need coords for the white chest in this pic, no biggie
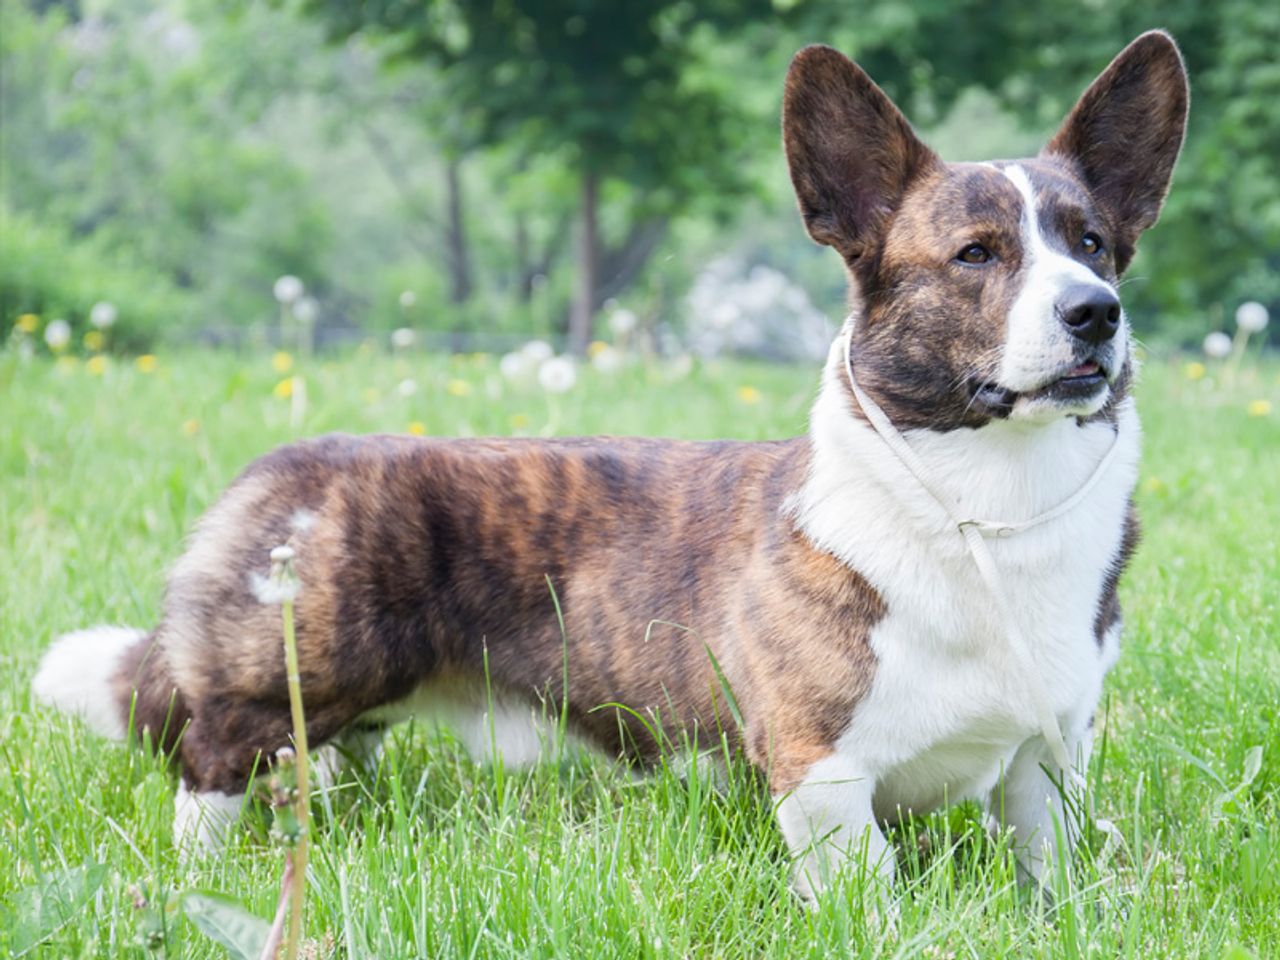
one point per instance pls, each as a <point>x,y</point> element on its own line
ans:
<point>948,706</point>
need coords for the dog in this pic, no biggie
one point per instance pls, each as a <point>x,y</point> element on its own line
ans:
<point>912,604</point>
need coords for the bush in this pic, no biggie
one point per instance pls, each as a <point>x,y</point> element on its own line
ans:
<point>45,271</point>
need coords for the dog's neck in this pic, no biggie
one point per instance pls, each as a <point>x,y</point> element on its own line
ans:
<point>1004,470</point>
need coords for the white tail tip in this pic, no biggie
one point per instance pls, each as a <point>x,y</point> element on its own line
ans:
<point>75,676</point>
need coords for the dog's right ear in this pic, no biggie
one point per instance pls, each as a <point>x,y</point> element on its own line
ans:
<point>851,152</point>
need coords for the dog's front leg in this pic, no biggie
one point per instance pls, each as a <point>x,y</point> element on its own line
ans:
<point>828,823</point>
<point>1043,804</point>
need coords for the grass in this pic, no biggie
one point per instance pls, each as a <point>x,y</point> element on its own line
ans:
<point>432,855</point>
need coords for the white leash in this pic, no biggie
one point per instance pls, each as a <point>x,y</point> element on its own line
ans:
<point>973,532</point>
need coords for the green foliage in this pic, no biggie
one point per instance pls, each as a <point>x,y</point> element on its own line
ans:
<point>215,146</point>
<point>35,913</point>
<point>225,920</point>
<point>46,272</point>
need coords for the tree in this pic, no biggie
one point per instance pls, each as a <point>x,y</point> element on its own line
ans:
<point>610,86</point>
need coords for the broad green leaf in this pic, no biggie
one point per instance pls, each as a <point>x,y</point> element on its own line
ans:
<point>226,921</point>
<point>38,911</point>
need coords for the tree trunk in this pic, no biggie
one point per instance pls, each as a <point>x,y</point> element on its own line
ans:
<point>619,267</point>
<point>459,259</point>
<point>580,316</point>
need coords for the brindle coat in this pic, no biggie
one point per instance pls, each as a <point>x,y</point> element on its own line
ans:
<point>421,557</point>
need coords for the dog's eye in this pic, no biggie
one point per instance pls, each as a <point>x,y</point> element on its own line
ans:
<point>974,253</point>
<point>1091,244</point>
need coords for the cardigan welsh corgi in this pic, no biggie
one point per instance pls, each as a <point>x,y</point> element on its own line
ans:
<point>817,590</point>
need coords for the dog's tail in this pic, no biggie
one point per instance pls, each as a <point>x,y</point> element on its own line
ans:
<point>109,676</point>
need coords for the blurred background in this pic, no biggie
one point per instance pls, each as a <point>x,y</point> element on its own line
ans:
<point>192,171</point>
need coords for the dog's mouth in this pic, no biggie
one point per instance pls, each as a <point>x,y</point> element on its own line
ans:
<point>1081,382</point>
<point>1073,385</point>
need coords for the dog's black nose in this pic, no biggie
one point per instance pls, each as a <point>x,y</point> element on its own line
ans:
<point>1089,312</point>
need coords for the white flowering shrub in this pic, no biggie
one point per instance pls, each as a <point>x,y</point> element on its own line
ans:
<point>756,311</point>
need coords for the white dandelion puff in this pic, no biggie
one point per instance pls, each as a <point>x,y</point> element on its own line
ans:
<point>608,360</point>
<point>402,338</point>
<point>103,315</point>
<point>1252,317</point>
<point>513,366</point>
<point>306,310</point>
<point>407,387</point>
<point>537,351</point>
<point>1217,345</point>
<point>408,299</point>
<point>557,375</point>
<point>281,585</point>
<point>57,334</point>
<point>623,322</point>
<point>287,289</point>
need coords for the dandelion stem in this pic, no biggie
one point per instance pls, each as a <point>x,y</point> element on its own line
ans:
<point>296,878</point>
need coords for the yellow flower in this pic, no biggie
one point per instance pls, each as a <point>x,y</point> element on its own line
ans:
<point>93,340</point>
<point>370,396</point>
<point>748,394</point>
<point>518,421</point>
<point>417,428</point>
<point>283,389</point>
<point>458,388</point>
<point>191,427</point>
<point>1154,486</point>
<point>1259,408</point>
<point>96,365</point>
<point>27,323</point>
<point>1194,370</point>
<point>281,361</point>
<point>596,347</point>
<point>147,363</point>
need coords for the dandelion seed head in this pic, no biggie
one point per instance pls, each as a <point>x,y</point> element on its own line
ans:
<point>408,299</point>
<point>557,375</point>
<point>57,334</point>
<point>306,309</point>
<point>407,387</point>
<point>1252,317</point>
<point>103,315</point>
<point>402,338</point>
<point>537,351</point>
<point>623,322</point>
<point>607,360</point>
<point>272,592</point>
<point>1217,345</point>
<point>513,366</point>
<point>287,289</point>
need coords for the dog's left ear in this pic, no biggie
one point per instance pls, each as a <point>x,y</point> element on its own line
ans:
<point>1125,133</point>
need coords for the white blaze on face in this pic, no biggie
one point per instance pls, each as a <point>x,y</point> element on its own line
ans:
<point>1037,345</point>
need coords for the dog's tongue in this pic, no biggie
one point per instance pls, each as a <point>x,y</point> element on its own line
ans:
<point>1083,370</point>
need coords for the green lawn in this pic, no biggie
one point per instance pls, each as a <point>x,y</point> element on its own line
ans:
<point>435,856</point>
